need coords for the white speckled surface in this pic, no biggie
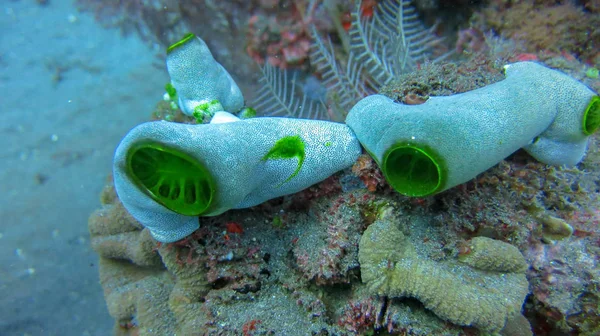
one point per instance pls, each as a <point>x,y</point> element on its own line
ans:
<point>475,130</point>
<point>233,152</point>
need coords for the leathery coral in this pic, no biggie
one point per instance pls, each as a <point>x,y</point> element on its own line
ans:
<point>485,299</point>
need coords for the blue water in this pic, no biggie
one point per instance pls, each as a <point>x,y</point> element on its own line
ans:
<point>71,90</point>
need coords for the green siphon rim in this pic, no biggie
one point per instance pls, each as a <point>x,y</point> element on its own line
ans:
<point>591,116</point>
<point>414,170</point>
<point>187,37</point>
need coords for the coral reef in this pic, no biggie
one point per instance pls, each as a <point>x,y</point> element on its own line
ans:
<point>281,37</point>
<point>385,44</point>
<point>445,79</point>
<point>484,295</point>
<point>116,234</point>
<point>328,252</point>
<point>493,255</point>
<point>565,278</point>
<point>366,169</point>
<point>290,266</point>
<point>169,111</point>
<point>546,26</point>
<point>130,267</point>
<point>185,287</point>
<point>511,202</point>
<point>299,257</point>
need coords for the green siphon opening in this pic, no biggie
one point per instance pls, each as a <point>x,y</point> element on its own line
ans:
<point>413,170</point>
<point>591,116</point>
<point>171,178</point>
<point>187,37</point>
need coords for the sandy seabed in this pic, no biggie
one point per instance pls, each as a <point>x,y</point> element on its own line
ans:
<point>71,90</point>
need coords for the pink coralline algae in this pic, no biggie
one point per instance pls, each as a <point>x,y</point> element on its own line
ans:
<point>359,316</point>
<point>565,280</point>
<point>282,40</point>
<point>327,253</point>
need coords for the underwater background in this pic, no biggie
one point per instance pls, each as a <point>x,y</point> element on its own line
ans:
<point>78,75</point>
<point>76,88</point>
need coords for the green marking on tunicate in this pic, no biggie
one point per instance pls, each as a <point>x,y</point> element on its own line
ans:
<point>592,73</point>
<point>186,38</point>
<point>205,111</point>
<point>171,91</point>
<point>201,107</point>
<point>277,222</point>
<point>200,112</point>
<point>247,112</point>
<point>591,116</point>
<point>171,178</point>
<point>413,169</point>
<point>288,147</point>
<point>328,144</point>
